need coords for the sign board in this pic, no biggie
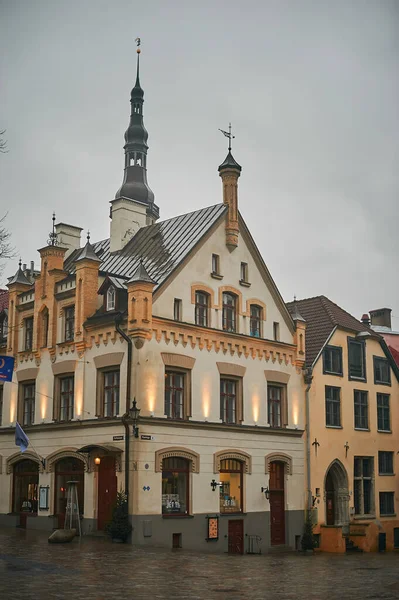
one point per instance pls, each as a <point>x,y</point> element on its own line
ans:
<point>145,436</point>
<point>118,438</point>
<point>213,528</point>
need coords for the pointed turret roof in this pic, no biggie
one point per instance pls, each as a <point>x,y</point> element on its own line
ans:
<point>141,275</point>
<point>295,314</point>
<point>19,277</point>
<point>229,163</point>
<point>88,252</point>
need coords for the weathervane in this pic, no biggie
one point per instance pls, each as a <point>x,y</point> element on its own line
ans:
<point>138,42</point>
<point>228,135</point>
<point>52,241</point>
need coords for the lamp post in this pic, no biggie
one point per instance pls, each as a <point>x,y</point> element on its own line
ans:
<point>131,416</point>
<point>134,415</point>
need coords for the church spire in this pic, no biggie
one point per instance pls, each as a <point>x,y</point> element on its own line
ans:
<point>135,186</point>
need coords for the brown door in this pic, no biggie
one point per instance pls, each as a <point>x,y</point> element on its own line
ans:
<point>330,508</point>
<point>236,536</point>
<point>107,488</point>
<point>277,504</point>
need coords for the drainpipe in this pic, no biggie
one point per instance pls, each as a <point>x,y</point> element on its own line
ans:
<point>308,374</point>
<point>128,387</point>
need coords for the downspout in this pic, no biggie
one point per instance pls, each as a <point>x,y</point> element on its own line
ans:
<point>308,380</point>
<point>128,387</point>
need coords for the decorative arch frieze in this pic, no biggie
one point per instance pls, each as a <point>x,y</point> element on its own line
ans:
<point>233,290</point>
<point>201,287</point>
<point>18,456</point>
<point>232,454</point>
<point>54,457</point>
<point>257,302</point>
<point>279,457</point>
<point>179,452</point>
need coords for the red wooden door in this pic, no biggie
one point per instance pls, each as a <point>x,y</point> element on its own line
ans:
<point>236,536</point>
<point>277,504</point>
<point>107,488</point>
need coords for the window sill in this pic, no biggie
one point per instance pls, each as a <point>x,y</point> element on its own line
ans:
<point>217,276</point>
<point>178,516</point>
<point>363,517</point>
<point>388,515</point>
<point>386,474</point>
<point>233,514</point>
<point>244,283</point>
<point>352,378</point>
<point>386,383</point>
<point>361,429</point>
<point>334,427</point>
<point>333,373</point>
<point>384,431</point>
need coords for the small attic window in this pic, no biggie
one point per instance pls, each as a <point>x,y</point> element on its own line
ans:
<point>110,302</point>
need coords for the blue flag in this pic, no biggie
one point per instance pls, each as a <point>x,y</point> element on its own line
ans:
<point>6,368</point>
<point>21,439</point>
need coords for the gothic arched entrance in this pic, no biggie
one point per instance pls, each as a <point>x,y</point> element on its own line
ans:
<point>336,494</point>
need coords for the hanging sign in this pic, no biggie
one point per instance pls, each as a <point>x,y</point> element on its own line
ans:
<point>213,529</point>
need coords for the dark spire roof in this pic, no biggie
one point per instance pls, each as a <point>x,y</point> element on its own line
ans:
<point>135,185</point>
<point>88,252</point>
<point>19,277</point>
<point>295,314</point>
<point>229,163</point>
<point>140,275</point>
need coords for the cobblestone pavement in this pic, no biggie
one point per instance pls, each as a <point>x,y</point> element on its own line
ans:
<point>95,569</point>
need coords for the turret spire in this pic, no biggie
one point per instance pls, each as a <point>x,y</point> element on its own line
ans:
<point>135,186</point>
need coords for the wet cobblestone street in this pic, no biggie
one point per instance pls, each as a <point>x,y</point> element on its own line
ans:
<point>96,569</point>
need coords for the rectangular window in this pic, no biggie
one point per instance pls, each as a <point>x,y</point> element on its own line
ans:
<point>385,463</point>
<point>274,405</point>
<point>1,404</point>
<point>215,264</point>
<point>28,333</point>
<point>201,309</point>
<point>111,393</point>
<point>356,359</point>
<point>244,272</point>
<point>332,360</point>
<point>28,391</point>
<point>177,309</point>
<point>382,371</point>
<point>396,537</point>
<point>66,398</point>
<point>3,329</point>
<point>383,412</point>
<point>255,320</point>
<point>363,485</point>
<point>276,331</point>
<point>361,410</point>
<point>387,503</point>
<point>333,406</point>
<point>229,315</point>
<point>69,316</point>
<point>231,489</point>
<point>174,394</point>
<point>228,400</point>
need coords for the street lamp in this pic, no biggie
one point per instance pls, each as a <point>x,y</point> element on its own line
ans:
<point>134,415</point>
<point>266,491</point>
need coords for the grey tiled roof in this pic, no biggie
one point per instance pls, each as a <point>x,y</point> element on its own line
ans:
<point>161,247</point>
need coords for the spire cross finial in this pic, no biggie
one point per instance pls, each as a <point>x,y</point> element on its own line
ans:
<point>88,236</point>
<point>52,241</point>
<point>228,135</point>
<point>20,262</point>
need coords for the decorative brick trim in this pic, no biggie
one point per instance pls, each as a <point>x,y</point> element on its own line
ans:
<point>279,457</point>
<point>171,359</point>
<point>201,287</point>
<point>179,452</point>
<point>233,290</point>
<point>257,302</point>
<point>54,457</point>
<point>18,456</point>
<point>232,454</point>
<point>226,368</point>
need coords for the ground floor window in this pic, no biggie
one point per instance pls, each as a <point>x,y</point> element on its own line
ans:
<point>26,481</point>
<point>175,486</point>
<point>68,469</point>
<point>231,478</point>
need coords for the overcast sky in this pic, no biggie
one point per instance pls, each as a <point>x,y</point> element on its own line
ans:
<point>311,88</point>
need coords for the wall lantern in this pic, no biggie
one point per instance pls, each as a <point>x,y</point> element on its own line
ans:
<point>215,484</point>
<point>134,415</point>
<point>265,490</point>
<point>97,460</point>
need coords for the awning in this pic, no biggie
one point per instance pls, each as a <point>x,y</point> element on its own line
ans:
<point>109,448</point>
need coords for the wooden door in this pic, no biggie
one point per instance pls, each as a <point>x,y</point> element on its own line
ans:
<point>236,536</point>
<point>277,503</point>
<point>330,508</point>
<point>107,488</point>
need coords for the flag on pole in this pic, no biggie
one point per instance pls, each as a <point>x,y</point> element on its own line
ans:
<point>21,439</point>
<point>6,368</point>
<point>226,133</point>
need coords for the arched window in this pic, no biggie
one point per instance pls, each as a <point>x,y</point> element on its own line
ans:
<point>111,298</point>
<point>201,308</point>
<point>175,486</point>
<point>229,317</point>
<point>68,469</point>
<point>231,488</point>
<point>44,328</point>
<point>255,320</point>
<point>26,481</point>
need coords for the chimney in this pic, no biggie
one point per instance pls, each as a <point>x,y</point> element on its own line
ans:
<point>381,317</point>
<point>365,319</point>
<point>68,236</point>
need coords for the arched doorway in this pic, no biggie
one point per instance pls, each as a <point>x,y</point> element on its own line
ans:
<point>25,489</point>
<point>277,502</point>
<point>68,469</point>
<point>336,494</point>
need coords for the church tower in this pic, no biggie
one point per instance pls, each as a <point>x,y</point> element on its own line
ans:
<point>134,205</point>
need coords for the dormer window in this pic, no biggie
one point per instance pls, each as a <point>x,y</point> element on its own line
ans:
<point>111,297</point>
